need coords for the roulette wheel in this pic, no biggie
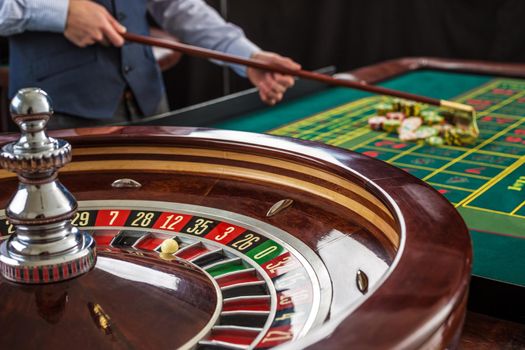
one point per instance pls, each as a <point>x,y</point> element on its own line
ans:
<point>211,239</point>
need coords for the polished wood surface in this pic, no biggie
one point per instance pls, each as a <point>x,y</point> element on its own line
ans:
<point>420,303</point>
<point>483,332</point>
<point>385,70</point>
<point>105,309</point>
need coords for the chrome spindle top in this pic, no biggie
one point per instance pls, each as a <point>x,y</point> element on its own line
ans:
<point>45,247</point>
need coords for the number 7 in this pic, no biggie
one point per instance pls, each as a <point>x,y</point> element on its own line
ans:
<point>114,215</point>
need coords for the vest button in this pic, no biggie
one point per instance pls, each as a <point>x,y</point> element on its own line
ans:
<point>127,69</point>
<point>121,16</point>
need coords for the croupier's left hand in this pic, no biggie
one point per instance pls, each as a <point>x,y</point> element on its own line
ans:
<point>272,86</point>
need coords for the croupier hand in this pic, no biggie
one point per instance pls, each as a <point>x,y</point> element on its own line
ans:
<point>272,86</point>
<point>89,23</point>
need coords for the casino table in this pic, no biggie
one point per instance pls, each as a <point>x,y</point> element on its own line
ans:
<point>278,240</point>
<point>213,240</point>
<point>485,181</point>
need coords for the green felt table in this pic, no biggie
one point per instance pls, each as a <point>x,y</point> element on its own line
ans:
<point>485,181</point>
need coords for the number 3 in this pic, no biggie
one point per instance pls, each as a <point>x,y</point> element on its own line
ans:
<point>225,234</point>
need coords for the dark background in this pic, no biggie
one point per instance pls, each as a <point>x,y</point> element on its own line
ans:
<point>354,33</point>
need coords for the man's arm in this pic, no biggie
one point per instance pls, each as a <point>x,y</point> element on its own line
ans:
<point>17,16</point>
<point>83,22</point>
<point>194,22</point>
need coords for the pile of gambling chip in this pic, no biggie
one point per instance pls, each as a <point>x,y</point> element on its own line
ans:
<point>407,119</point>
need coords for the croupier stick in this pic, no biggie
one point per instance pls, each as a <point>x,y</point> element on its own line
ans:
<point>465,112</point>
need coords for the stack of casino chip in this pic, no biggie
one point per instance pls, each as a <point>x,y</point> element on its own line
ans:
<point>411,108</point>
<point>376,123</point>
<point>383,108</point>
<point>388,118</point>
<point>395,116</point>
<point>424,132</point>
<point>435,141</point>
<point>458,136</point>
<point>407,131</point>
<point>397,105</point>
<point>408,108</point>
<point>393,122</point>
<point>432,118</point>
<point>391,125</point>
<point>452,137</point>
<point>411,123</point>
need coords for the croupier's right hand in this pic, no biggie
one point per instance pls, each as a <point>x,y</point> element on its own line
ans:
<point>89,23</point>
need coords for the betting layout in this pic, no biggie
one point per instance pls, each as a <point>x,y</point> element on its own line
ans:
<point>485,181</point>
<point>270,283</point>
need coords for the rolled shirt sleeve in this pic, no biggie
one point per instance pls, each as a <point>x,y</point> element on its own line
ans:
<point>196,23</point>
<point>17,16</point>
